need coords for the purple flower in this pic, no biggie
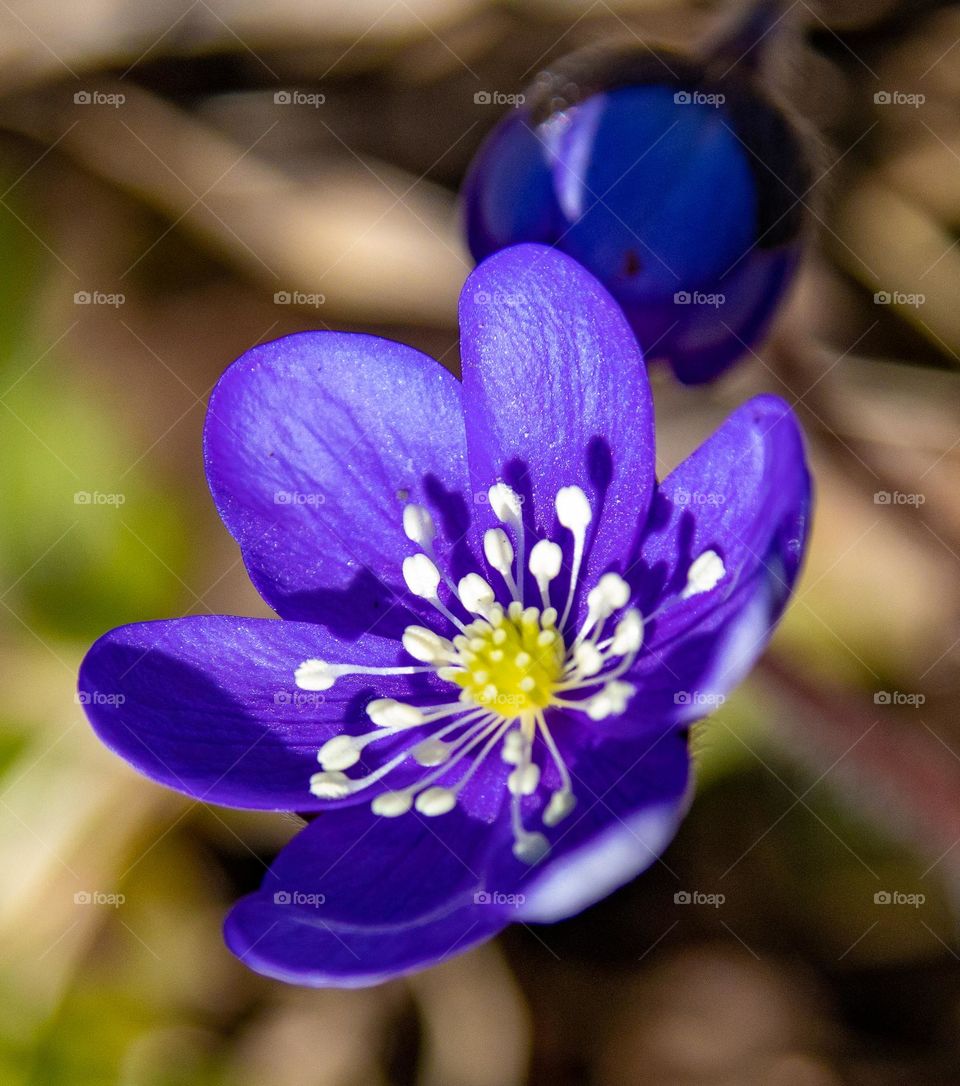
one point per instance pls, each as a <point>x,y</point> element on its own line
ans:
<point>496,625</point>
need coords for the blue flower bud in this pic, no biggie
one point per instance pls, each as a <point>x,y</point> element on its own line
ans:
<point>676,181</point>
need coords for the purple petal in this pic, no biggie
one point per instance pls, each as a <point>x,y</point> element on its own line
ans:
<point>631,796</point>
<point>746,494</point>
<point>314,443</point>
<point>355,899</point>
<point>556,393</point>
<point>208,705</point>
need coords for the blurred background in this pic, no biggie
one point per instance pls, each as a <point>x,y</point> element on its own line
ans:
<point>182,179</point>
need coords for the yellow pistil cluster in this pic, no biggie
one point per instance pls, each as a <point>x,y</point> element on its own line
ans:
<point>511,661</point>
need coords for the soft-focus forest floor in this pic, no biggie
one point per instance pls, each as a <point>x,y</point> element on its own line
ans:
<point>188,208</point>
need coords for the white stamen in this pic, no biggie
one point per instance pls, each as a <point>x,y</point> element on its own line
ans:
<point>545,561</point>
<point>523,781</point>
<point>472,720</point>
<point>512,750</point>
<point>610,594</point>
<point>499,551</point>
<point>530,847</point>
<point>588,659</point>
<point>330,785</point>
<point>392,804</point>
<point>431,752</point>
<point>390,713</point>
<point>561,804</point>
<point>418,525</point>
<point>628,636</point>
<point>319,675</point>
<point>566,787</point>
<point>423,580</point>
<point>705,573</point>
<point>505,503</point>
<point>508,509</point>
<point>423,644</point>
<point>340,752</point>
<point>422,576</point>
<point>475,594</point>
<point>573,508</point>
<point>610,701</point>
<point>316,675</point>
<point>436,801</point>
<point>574,513</point>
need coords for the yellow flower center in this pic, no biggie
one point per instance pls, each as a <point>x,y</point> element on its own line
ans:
<point>511,663</point>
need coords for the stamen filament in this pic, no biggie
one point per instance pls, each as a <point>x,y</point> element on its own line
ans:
<point>319,675</point>
<point>574,513</point>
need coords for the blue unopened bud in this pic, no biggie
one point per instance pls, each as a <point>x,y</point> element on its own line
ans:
<point>676,180</point>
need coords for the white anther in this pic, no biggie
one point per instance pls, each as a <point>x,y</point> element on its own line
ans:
<point>390,713</point>
<point>499,550</point>
<point>505,503</point>
<point>561,804</point>
<point>545,561</point>
<point>610,594</point>
<point>628,636</point>
<point>418,525</point>
<point>436,801</point>
<point>588,659</point>
<point>705,573</point>
<point>425,645</point>
<point>392,804</point>
<point>431,752</point>
<point>513,744</point>
<point>573,508</point>
<point>330,785</point>
<point>574,513</point>
<point>610,701</point>
<point>524,779</point>
<point>316,675</point>
<point>475,594</point>
<point>531,847</point>
<point>340,752</point>
<point>422,576</point>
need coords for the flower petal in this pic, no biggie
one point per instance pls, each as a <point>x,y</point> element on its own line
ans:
<point>556,393</point>
<point>314,443</point>
<point>745,494</point>
<point>631,796</point>
<point>207,705</point>
<point>355,899</point>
